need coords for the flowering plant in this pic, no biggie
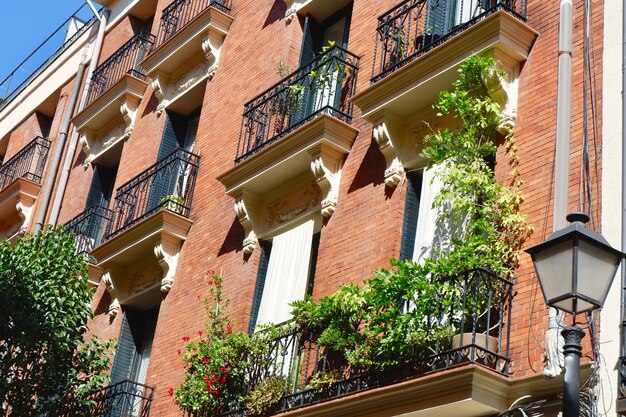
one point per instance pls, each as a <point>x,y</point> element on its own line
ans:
<point>214,377</point>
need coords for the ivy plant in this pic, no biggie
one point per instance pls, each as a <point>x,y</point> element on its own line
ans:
<point>47,365</point>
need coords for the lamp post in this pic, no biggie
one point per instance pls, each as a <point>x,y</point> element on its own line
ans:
<point>575,267</point>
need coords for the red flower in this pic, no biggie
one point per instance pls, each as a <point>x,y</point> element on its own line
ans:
<point>199,332</point>
<point>229,328</point>
<point>186,339</point>
<point>170,391</point>
<point>223,380</point>
<point>178,351</point>
<point>216,391</point>
<point>211,272</point>
<point>206,360</point>
<point>207,379</point>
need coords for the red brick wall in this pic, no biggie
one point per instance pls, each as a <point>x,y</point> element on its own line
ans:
<point>364,232</point>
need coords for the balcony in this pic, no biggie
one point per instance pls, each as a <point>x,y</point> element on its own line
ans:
<point>462,376</point>
<point>148,225</point>
<point>20,183</point>
<point>88,228</point>
<point>126,398</point>
<point>187,50</point>
<point>117,87</point>
<point>419,48</point>
<point>298,127</point>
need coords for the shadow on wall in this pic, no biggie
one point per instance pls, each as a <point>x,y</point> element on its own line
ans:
<point>233,239</point>
<point>277,12</point>
<point>371,171</point>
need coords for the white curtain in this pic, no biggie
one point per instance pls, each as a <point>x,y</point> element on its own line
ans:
<point>427,217</point>
<point>434,235</point>
<point>287,273</point>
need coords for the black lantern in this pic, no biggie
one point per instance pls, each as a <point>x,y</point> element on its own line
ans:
<point>575,267</point>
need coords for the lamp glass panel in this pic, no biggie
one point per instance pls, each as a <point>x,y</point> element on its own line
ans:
<point>596,269</point>
<point>554,269</point>
<point>566,305</point>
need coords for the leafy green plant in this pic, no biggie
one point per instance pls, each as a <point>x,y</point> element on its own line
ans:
<point>265,396</point>
<point>173,203</point>
<point>48,364</point>
<point>214,377</point>
<point>414,309</point>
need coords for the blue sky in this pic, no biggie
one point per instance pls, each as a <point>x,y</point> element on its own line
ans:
<point>27,23</point>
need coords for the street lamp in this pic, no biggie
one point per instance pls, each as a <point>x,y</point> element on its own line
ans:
<point>575,267</point>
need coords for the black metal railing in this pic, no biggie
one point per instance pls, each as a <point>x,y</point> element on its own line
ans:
<point>88,228</point>
<point>168,184</point>
<point>28,163</point>
<point>123,61</point>
<point>126,398</point>
<point>414,27</point>
<point>178,14</point>
<point>479,318</point>
<point>57,42</point>
<point>323,86</point>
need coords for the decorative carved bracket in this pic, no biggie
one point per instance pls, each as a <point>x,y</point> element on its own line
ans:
<point>388,136</point>
<point>166,252</point>
<point>246,208</point>
<point>25,207</point>
<point>505,94</point>
<point>114,307</point>
<point>326,164</point>
<point>212,46</point>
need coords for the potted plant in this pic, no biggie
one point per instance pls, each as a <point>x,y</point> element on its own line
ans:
<point>173,203</point>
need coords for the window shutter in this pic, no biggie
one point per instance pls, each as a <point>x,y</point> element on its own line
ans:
<point>96,192</point>
<point>311,40</point>
<point>169,140</point>
<point>266,249</point>
<point>125,354</point>
<point>315,245</point>
<point>437,19</point>
<point>411,212</point>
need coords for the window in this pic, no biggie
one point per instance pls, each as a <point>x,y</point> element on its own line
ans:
<point>420,231</point>
<point>171,181</point>
<point>133,354</point>
<point>286,273</point>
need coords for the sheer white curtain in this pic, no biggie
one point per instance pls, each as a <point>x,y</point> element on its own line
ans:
<point>287,273</point>
<point>434,235</point>
<point>427,217</point>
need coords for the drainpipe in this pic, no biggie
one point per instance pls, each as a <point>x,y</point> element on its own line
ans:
<point>60,144</point>
<point>623,263</point>
<point>71,149</point>
<point>561,168</point>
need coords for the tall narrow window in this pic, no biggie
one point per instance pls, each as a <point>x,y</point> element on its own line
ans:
<point>133,354</point>
<point>285,273</point>
<point>421,232</point>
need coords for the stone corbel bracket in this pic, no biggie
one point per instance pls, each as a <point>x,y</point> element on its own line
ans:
<point>166,252</point>
<point>292,8</point>
<point>389,137</point>
<point>114,307</point>
<point>247,210</point>
<point>326,164</point>
<point>110,118</point>
<point>504,93</point>
<point>17,201</point>
<point>188,57</point>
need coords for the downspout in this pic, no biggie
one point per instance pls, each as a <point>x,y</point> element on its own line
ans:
<point>71,150</point>
<point>60,144</point>
<point>561,168</point>
<point>623,230</point>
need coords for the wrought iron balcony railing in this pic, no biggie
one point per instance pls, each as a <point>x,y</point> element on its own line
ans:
<point>126,398</point>
<point>481,317</point>
<point>88,228</point>
<point>167,184</point>
<point>323,86</point>
<point>178,14</point>
<point>123,61</point>
<point>414,27</point>
<point>28,163</point>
